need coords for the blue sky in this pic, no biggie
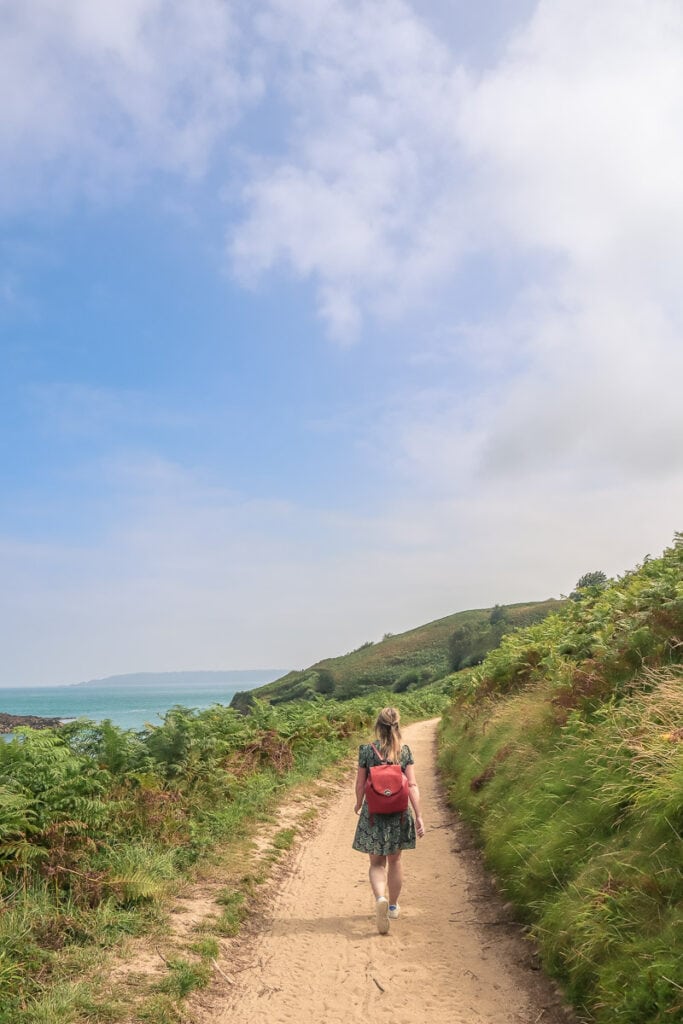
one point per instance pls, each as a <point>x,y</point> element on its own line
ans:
<point>322,320</point>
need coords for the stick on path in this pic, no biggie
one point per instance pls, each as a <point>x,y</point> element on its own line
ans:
<point>451,958</point>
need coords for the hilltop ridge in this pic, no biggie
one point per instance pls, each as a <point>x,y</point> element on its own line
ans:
<point>403,661</point>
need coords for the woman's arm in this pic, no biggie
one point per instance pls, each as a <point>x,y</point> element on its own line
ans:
<point>414,795</point>
<point>360,788</point>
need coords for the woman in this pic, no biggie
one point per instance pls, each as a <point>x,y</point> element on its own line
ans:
<point>384,836</point>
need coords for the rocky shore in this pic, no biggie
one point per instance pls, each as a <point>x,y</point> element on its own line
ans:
<point>8,723</point>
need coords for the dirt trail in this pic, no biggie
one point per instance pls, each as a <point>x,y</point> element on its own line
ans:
<point>451,958</point>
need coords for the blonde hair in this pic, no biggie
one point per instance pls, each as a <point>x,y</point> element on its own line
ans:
<point>388,732</point>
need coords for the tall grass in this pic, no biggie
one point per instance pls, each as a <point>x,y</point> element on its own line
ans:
<point>566,754</point>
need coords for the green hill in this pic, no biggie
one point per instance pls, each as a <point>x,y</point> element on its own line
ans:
<point>406,660</point>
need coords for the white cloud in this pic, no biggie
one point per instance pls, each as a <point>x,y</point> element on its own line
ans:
<point>599,397</point>
<point>565,157</point>
<point>363,204</point>
<point>95,94</point>
<point>576,135</point>
<point>576,131</point>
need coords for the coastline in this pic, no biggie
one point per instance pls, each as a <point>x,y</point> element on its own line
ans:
<point>125,707</point>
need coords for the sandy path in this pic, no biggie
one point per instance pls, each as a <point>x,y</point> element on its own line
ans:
<point>451,958</point>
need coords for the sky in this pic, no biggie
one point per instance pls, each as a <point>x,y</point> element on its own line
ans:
<point>325,319</point>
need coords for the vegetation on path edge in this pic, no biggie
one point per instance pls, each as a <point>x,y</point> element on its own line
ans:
<point>99,825</point>
<point>565,751</point>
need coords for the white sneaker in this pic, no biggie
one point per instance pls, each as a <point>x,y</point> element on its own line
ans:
<point>382,915</point>
<point>393,912</point>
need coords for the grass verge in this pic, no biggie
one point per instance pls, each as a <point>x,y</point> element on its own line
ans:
<point>581,820</point>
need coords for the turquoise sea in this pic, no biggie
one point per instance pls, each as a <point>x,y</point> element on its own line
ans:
<point>130,704</point>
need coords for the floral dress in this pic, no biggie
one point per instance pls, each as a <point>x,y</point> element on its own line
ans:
<point>386,833</point>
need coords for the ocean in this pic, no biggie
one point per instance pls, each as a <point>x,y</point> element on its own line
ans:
<point>130,707</point>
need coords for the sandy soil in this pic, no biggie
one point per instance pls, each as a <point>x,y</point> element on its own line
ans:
<point>453,957</point>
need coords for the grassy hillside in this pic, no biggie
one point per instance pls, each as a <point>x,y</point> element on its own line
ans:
<point>565,750</point>
<point>403,661</point>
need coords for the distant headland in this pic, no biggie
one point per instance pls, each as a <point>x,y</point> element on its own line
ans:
<point>244,677</point>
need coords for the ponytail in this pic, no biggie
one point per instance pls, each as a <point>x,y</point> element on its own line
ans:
<point>388,732</point>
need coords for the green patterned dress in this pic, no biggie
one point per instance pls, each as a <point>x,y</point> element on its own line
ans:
<point>387,833</point>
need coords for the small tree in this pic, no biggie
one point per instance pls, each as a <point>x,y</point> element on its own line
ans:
<point>499,613</point>
<point>595,578</point>
<point>325,681</point>
<point>460,645</point>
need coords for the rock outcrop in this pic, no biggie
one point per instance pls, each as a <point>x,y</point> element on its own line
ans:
<point>8,723</point>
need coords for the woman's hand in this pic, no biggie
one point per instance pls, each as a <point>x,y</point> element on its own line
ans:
<point>420,826</point>
<point>358,807</point>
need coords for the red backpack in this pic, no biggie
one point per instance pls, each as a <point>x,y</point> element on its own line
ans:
<point>386,788</point>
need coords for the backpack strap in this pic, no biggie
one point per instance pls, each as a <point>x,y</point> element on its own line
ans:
<point>381,759</point>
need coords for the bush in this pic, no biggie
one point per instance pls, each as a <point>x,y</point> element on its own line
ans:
<point>406,680</point>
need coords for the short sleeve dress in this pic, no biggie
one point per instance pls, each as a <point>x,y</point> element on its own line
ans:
<point>387,833</point>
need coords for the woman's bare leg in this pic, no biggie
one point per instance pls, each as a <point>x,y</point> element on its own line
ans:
<point>378,874</point>
<point>395,877</point>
